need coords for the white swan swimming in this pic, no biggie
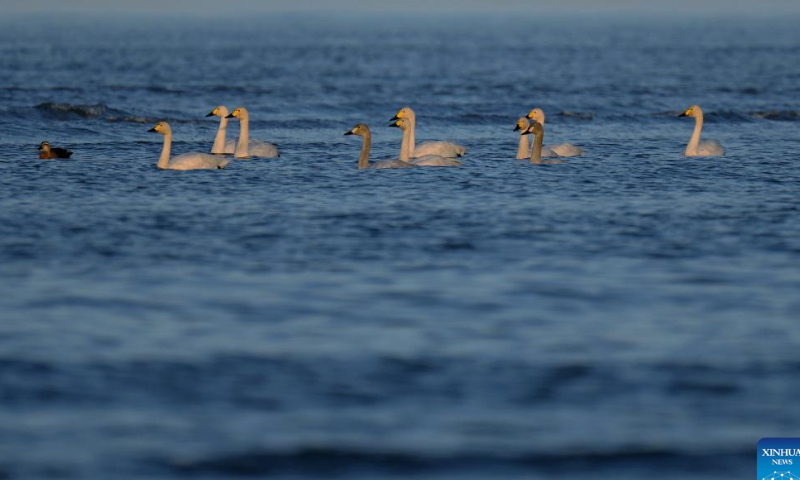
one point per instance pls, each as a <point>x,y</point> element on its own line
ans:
<point>428,160</point>
<point>562,149</point>
<point>245,148</point>
<point>186,161</point>
<point>696,148</point>
<point>362,131</point>
<point>442,149</point>
<point>524,149</point>
<point>537,130</point>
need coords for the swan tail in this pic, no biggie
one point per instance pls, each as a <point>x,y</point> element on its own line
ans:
<point>263,149</point>
<point>567,150</point>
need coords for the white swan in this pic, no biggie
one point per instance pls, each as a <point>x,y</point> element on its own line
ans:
<point>246,147</point>
<point>442,149</point>
<point>363,160</point>
<point>524,149</point>
<point>696,148</point>
<point>562,149</point>
<point>186,161</point>
<point>537,130</point>
<point>428,160</point>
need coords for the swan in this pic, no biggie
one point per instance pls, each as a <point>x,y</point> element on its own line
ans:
<point>186,161</point>
<point>442,149</point>
<point>537,130</point>
<point>524,150</point>
<point>696,148</point>
<point>363,160</point>
<point>51,153</point>
<point>562,149</point>
<point>246,147</point>
<point>427,161</point>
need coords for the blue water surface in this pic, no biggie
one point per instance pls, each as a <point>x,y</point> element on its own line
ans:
<point>628,313</point>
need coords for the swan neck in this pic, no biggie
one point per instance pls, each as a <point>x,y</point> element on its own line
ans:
<point>219,140</point>
<point>536,153</point>
<point>242,150</point>
<point>404,148</point>
<point>524,150</point>
<point>694,143</point>
<point>412,141</point>
<point>163,160</point>
<point>363,159</point>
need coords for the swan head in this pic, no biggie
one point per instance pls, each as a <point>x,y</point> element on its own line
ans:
<point>535,129</point>
<point>537,115</point>
<point>44,146</point>
<point>404,112</point>
<point>162,128</point>
<point>361,130</point>
<point>221,111</point>
<point>693,111</point>
<point>401,123</point>
<point>238,112</point>
<point>522,124</point>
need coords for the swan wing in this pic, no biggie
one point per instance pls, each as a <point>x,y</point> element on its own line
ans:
<point>435,161</point>
<point>567,150</point>
<point>710,148</point>
<point>442,149</point>
<point>197,161</point>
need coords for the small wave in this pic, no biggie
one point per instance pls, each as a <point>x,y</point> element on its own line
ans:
<point>735,115</point>
<point>66,111</point>
<point>577,115</point>
<point>778,115</point>
<point>313,460</point>
<point>163,89</point>
<point>712,115</point>
<point>85,111</point>
<point>131,119</point>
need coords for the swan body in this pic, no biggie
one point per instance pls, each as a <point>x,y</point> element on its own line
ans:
<point>245,148</point>
<point>524,150</point>
<point>537,130</point>
<point>561,149</point>
<point>405,125</point>
<point>697,148</point>
<point>363,131</point>
<point>439,148</point>
<point>383,164</point>
<point>256,148</point>
<point>187,161</point>
<point>435,161</point>
<point>49,153</point>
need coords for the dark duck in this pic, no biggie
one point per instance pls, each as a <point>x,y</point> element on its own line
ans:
<point>49,153</point>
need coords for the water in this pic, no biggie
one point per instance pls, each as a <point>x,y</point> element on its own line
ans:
<point>629,313</point>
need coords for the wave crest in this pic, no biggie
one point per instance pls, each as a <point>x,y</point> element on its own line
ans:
<point>66,109</point>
